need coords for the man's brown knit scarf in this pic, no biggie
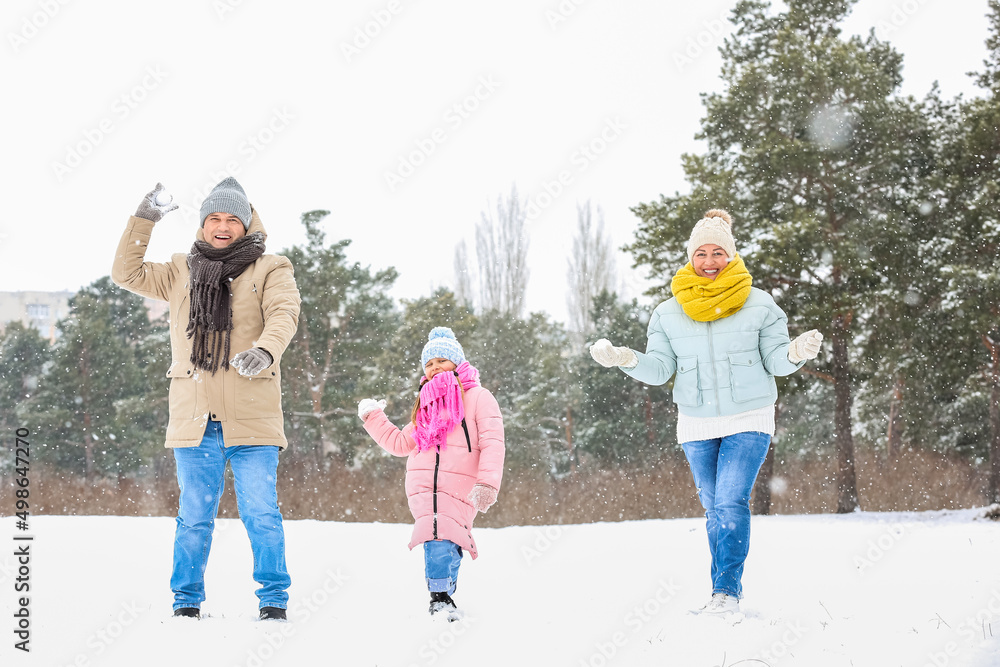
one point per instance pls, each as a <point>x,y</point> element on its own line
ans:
<point>210,321</point>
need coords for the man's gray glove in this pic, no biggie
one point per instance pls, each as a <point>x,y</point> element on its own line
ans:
<point>156,204</point>
<point>805,346</point>
<point>252,361</point>
<point>608,355</point>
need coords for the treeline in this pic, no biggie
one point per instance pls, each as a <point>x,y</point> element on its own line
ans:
<point>872,216</point>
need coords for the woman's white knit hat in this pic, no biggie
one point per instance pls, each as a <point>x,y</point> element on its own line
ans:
<point>715,228</point>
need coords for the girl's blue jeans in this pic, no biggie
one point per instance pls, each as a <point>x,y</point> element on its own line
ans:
<point>441,561</point>
<point>201,477</point>
<point>724,471</point>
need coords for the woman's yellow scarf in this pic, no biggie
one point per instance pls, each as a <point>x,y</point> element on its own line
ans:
<point>704,299</point>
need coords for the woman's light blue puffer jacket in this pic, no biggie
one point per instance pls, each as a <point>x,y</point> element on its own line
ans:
<point>723,367</point>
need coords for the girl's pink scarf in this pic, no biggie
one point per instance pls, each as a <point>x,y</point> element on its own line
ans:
<point>441,405</point>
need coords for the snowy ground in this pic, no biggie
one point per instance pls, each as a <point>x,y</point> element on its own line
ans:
<point>909,589</point>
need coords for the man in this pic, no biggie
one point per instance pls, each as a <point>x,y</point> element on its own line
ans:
<point>226,296</point>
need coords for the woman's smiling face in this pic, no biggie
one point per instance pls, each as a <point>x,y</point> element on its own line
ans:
<point>709,261</point>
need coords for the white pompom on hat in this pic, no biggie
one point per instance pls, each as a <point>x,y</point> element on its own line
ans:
<point>442,344</point>
<point>715,228</point>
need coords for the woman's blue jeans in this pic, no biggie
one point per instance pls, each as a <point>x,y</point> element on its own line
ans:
<point>724,471</point>
<point>201,476</point>
<point>441,561</point>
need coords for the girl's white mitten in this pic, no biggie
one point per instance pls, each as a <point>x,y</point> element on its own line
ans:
<point>482,497</point>
<point>805,346</point>
<point>368,406</point>
<point>608,355</point>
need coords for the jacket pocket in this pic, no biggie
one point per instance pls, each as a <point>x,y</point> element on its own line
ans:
<point>686,389</point>
<point>183,393</point>
<point>747,378</point>
<point>257,397</point>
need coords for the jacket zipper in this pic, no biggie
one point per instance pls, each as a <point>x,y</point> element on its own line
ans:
<point>437,464</point>
<point>715,374</point>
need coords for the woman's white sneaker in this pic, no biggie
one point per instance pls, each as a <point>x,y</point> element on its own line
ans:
<point>721,604</point>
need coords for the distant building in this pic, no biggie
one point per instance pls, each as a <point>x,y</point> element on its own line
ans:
<point>34,309</point>
<point>42,310</point>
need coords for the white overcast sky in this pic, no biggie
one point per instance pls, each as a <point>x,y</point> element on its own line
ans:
<point>105,98</point>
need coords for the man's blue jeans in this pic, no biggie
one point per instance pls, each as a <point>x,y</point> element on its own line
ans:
<point>724,471</point>
<point>441,561</point>
<point>201,476</point>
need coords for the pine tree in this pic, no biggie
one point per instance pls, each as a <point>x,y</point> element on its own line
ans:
<point>344,320</point>
<point>97,364</point>
<point>23,354</point>
<point>621,422</point>
<point>972,196</point>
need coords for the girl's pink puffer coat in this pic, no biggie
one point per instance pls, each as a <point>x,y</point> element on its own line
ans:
<point>438,481</point>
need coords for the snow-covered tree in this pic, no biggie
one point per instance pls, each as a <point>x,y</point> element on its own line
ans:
<point>973,245</point>
<point>344,321</point>
<point>618,421</point>
<point>23,353</point>
<point>101,368</point>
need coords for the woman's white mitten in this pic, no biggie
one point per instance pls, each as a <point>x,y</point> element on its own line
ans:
<point>805,346</point>
<point>608,355</point>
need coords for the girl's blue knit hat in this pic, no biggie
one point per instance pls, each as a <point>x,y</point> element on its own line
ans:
<point>442,344</point>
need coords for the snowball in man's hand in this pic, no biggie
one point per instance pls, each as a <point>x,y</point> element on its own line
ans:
<point>163,198</point>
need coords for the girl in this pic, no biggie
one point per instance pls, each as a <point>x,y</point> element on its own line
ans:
<point>725,340</point>
<point>455,448</point>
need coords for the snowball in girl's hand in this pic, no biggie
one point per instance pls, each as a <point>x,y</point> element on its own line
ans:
<point>163,198</point>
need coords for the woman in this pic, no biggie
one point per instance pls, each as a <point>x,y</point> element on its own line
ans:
<point>725,341</point>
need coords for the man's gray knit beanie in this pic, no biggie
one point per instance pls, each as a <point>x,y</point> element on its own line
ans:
<point>227,197</point>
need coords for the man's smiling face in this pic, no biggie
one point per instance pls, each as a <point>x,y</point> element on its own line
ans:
<point>221,229</point>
